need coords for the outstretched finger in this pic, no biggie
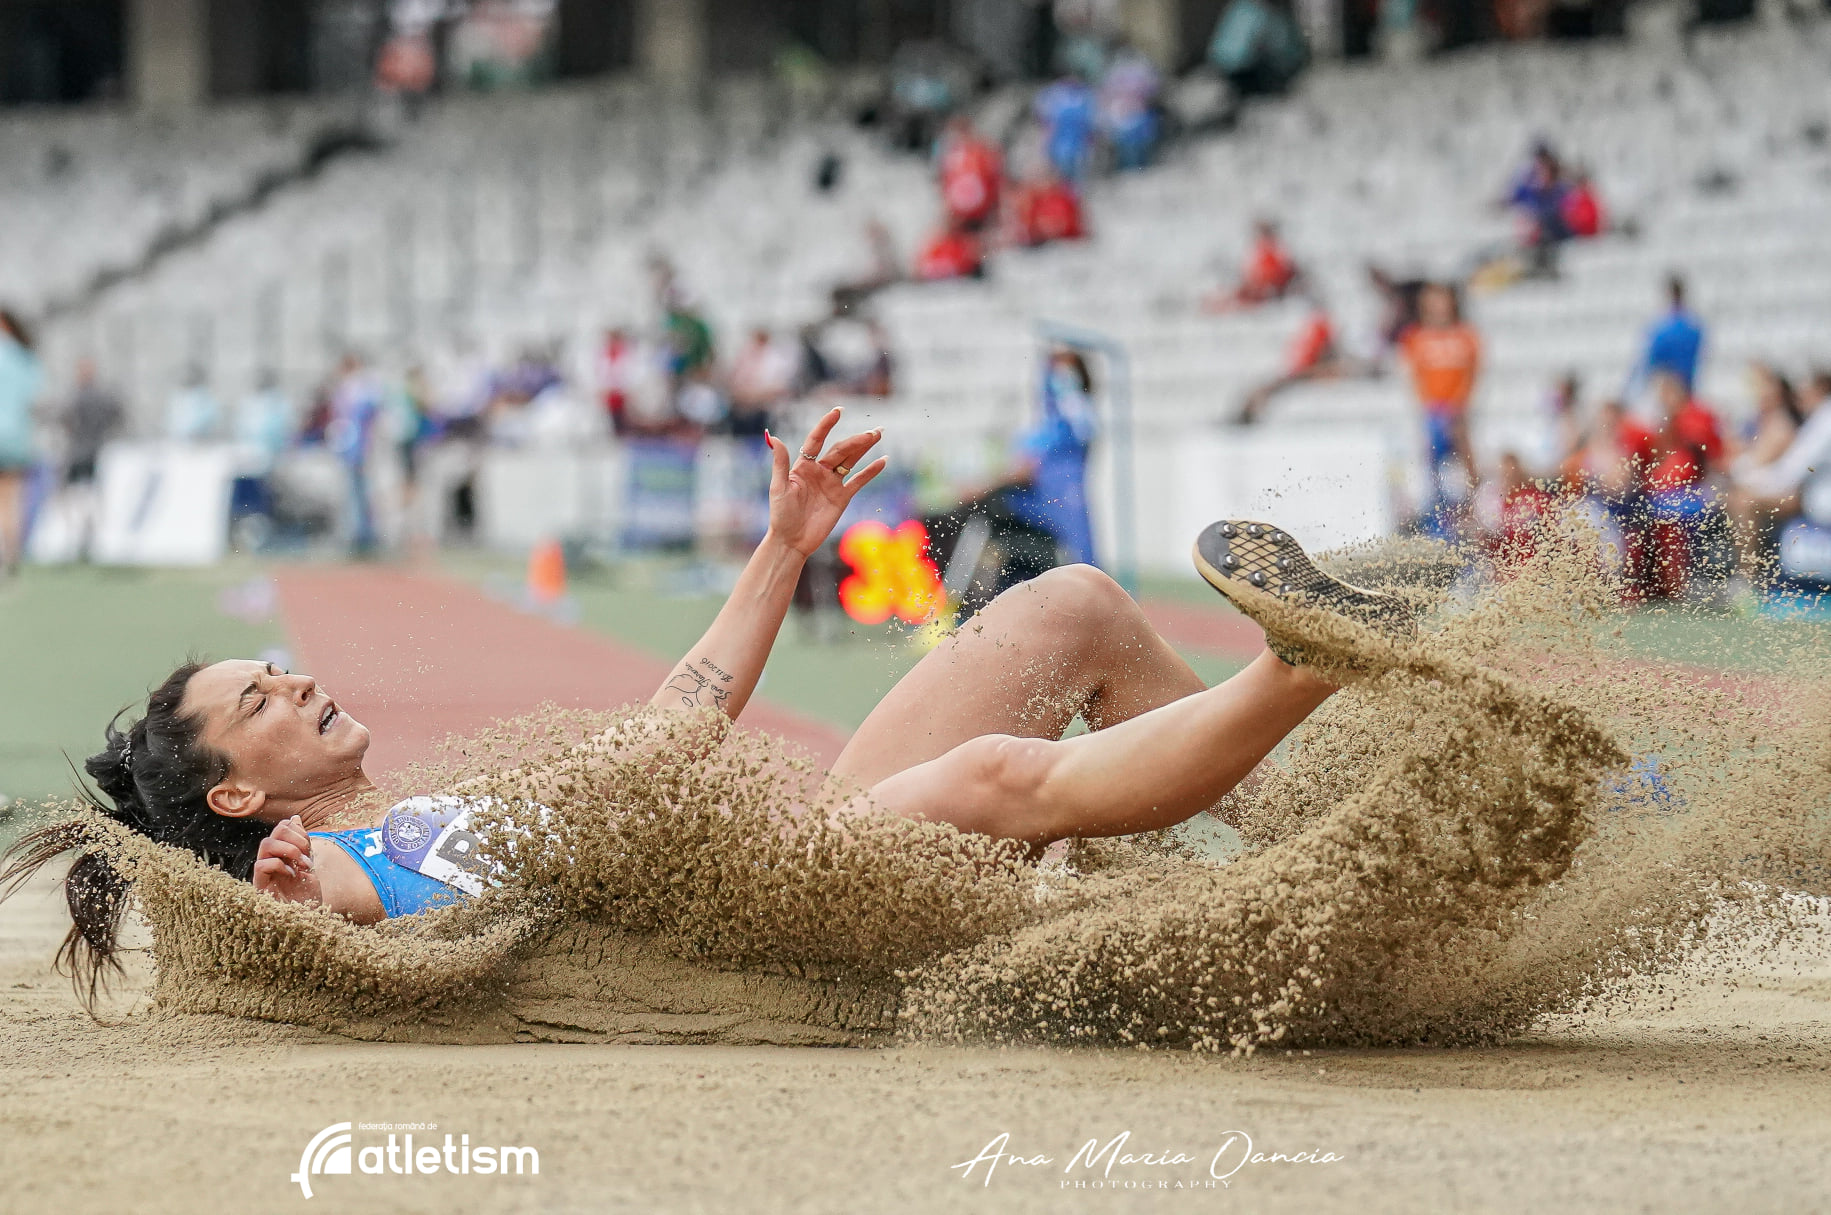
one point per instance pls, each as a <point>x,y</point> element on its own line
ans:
<point>863,476</point>
<point>778,464</point>
<point>816,438</point>
<point>850,450</point>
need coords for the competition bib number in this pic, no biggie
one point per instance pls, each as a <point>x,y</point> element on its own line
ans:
<point>433,836</point>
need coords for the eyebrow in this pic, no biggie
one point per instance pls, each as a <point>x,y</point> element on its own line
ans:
<point>254,684</point>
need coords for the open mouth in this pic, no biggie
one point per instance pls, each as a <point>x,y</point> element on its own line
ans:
<point>331,714</point>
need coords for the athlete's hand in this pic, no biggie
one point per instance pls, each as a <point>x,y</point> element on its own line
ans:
<point>283,867</point>
<point>807,493</point>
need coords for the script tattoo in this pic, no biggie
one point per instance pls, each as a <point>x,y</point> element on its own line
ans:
<point>698,688</point>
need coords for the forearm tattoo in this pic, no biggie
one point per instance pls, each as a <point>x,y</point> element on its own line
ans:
<point>701,684</point>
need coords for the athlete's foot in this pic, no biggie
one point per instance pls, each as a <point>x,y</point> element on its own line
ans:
<point>1234,555</point>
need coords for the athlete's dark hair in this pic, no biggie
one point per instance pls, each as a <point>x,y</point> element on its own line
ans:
<point>156,774</point>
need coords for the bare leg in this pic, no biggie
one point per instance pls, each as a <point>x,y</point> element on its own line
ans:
<point>1070,642</point>
<point>1150,772</point>
<point>12,520</point>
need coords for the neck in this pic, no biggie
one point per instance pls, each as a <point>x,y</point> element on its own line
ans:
<point>332,805</point>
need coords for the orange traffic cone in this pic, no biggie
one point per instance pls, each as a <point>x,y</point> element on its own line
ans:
<point>547,572</point>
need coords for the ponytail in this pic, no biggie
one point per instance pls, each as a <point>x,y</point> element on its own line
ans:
<point>157,773</point>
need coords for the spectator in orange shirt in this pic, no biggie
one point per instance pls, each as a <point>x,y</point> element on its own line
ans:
<point>1444,355</point>
<point>1270,273</point>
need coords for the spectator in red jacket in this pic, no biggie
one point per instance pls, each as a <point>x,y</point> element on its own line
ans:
<point>1269,275</point>
<point>971,172</point>
<point>1689,444</point>
<point>953,252</point>
<point>1314,354</point>
<point>1047,209</point>
<point>1582,208</point>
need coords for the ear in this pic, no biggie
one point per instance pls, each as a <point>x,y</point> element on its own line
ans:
<point>233,800</point>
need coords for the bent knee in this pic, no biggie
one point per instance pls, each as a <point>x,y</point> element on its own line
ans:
<point>1082,598</point>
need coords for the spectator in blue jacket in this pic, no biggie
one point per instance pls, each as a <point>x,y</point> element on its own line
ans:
<point>1674,344</point>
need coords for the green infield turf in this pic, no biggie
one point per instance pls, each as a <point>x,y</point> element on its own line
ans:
<point>77,643</point>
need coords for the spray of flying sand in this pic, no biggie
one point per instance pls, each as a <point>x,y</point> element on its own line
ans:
<point>1453,846</point>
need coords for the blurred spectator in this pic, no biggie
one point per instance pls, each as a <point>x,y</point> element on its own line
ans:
<point>616,372</point>
<point>1270,272</point>
<point>1538,196</point>
<point>700,404</point>
<point>1046,209</point>
<point>1258,46</point>
<point>971,171</point>
<point>953,252</point>
<point>1765,493</point>
<point>21,376</point>
<point>878,376</point>
<point>1583,213</point>
<point>927,80</point>
<point>885,269</point>
<point>90,421</point>
<point>1049,487</point>
<point>1674,343</point>
<point>1398,302</point>
<point>1566,408</point>
<point>1315,354</point>
<point>1687,448</point>
<point>263,429</point>
<point>1611,463</point>
<point>813,369</point>
<point>761,378</point>
<point>1128,106</point>
<point>264,422</point>
<point>1066,110</point>
<point>356,402</point>
<point>1444,355</point>
<point>193,415</point>
<point>92,418</point>
<point>690,347</point>
<point>1689,442</point>
<point>1777,420</point>
<point>1521,505</point>
<point>1083,31</point>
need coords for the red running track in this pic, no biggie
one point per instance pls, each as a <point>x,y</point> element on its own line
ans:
<point>419,658</point>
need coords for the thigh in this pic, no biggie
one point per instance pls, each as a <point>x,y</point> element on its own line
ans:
<point>1037,656</point>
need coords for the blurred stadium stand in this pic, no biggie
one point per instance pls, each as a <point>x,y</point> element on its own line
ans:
<point>519,217</point>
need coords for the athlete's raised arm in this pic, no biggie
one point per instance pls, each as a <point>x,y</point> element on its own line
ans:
<point>808,491</point>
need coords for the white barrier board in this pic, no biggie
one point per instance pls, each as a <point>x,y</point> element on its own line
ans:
<point>164,504</point>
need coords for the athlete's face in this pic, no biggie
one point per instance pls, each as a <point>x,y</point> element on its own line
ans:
<point>286,739</point>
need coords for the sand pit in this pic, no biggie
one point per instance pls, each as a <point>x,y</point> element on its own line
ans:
<point>1718,1099</point>
<point>1462,851</point>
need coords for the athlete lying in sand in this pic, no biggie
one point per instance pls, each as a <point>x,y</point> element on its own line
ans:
<point>260,771</point>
